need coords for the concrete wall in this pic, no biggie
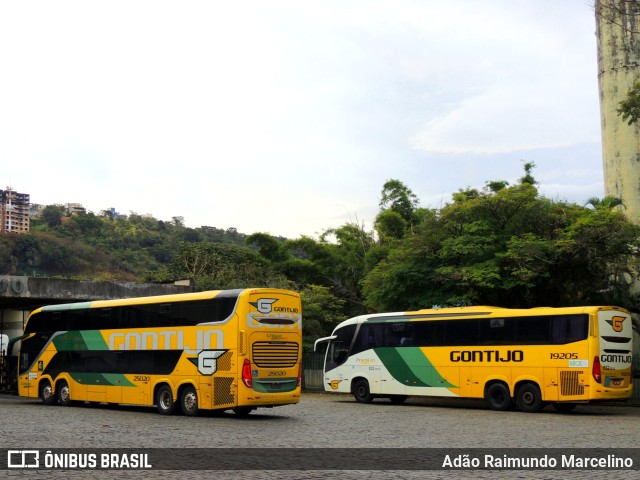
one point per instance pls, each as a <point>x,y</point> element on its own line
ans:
<point>21,295</point>
<point>618,36</point>
<point>14,288</point>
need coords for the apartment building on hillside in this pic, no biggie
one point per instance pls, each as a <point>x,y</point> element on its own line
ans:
<point>14,211</point>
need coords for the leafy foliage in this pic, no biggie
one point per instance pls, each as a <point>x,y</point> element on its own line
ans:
<point>502,245</point>
<point>629,108</point>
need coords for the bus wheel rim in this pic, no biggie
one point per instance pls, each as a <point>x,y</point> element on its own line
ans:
<point>190,401</point>
<point>64,393</point>
<point>165,400</point>
<point>47,392</point>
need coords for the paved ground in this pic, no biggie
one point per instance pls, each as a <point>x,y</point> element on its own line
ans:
<point>320,421</point>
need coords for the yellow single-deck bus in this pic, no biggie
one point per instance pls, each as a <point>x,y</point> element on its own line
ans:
<point>530,357</point>
<point>227,349</point>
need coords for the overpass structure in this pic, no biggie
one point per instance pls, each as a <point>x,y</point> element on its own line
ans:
<point>19,295</point>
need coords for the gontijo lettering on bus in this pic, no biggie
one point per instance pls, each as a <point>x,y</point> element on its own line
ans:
<point>166,340</point>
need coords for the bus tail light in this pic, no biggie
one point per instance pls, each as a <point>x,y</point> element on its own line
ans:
<point>299,374</point>
<point>246,373</point>
<point>595,371</point>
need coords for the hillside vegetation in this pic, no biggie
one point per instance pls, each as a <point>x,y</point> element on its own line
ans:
<point>504,245</point>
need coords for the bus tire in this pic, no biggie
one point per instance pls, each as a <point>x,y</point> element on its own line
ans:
<point>528,397</point>
<point>64,395</point>
<point>164,400</point>
<point>46,393</point>
<point>361,391</point>
<point>498,397</point>
<point>565,407</point>
<point>189,401</point>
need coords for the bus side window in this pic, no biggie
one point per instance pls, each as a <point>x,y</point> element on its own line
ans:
<point>569,328</point>
<point>339,352</point>
<point>24,361</point>
<point>339,348</point>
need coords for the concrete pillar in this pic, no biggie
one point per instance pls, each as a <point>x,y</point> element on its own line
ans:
<point>618,35</point>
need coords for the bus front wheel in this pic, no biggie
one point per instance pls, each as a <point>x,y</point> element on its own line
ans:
<point>498,397</point>
<point>164,400</point>
<point>189,401</point>
<point>46,393</point>
<point>528,397</point>
<point>361,391</point>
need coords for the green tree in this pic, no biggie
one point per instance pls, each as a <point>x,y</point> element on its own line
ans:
<point>608,202</point>
<point>390,225</point>
<point>396,196</point>
<point>509,246</point>
<point>268,246</point>
<point>52,215</point>
<point>219,266</point>
<point>322,311</point>
<point>629,108</point>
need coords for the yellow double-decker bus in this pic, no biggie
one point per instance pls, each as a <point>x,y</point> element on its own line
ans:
<point>227,349</point>
<point>527,358</point>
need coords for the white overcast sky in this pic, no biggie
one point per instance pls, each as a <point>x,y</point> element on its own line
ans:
<point>287,117</point>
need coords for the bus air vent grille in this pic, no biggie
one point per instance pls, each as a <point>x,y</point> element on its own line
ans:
<point>224,362</point>
<point>222,391</point>
<point>243,343</point>
<point>570,383</point>
<point>275,354</point>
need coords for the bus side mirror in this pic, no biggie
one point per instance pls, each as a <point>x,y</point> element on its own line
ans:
<point>323,340</point>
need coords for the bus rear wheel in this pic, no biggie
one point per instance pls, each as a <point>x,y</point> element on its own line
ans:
<point>64,395</point>
<point>46,393</point>
<point>164,400</point>
<point>361,391</point>
<point>189,401</point>
<point>528,397</point>
<point>498,397</point>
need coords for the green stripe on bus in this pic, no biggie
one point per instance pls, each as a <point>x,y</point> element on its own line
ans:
<point>94,340</point>
<point>266,385</point>
<point>80,340</point>
<point>409,366</point>
<point>103,379</point>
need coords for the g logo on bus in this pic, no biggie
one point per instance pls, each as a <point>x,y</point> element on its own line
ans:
<point>264,304</point>
<point>616,323</point>
<point>207,361</point>
<point>334,384</point>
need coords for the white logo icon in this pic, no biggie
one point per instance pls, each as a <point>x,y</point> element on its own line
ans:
<point>264,304</point>
<point>208,361</point>
<point>23,459</point>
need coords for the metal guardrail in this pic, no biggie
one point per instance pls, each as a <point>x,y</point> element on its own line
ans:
<point>312,364</point>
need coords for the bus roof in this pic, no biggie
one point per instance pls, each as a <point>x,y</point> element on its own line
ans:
<point>475,311</point>
<point>177,297</point>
